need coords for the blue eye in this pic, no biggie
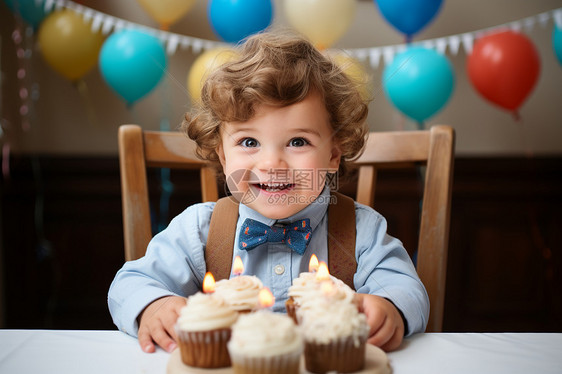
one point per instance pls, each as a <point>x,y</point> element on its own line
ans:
<point>249,142</point>
<point>298,142</point>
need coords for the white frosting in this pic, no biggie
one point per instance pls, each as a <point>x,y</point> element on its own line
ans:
<point>265,334</point>
<point>241,292</point>
<point>326,320</point>
<point>306,288</point>
<point>205,312</point>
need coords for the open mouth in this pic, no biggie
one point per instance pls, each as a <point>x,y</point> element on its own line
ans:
<point>274,187</point>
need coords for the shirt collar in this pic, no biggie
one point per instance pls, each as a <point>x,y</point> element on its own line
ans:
<point>314,211</point>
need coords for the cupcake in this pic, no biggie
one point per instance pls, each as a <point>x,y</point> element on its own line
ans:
<point>265,343</point>
<point>240,292</point>
<point>306,288</point>
<point>203,329</point>
<point>335,335</point>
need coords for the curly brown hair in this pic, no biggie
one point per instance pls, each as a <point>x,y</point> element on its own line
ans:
<point>277,69</point>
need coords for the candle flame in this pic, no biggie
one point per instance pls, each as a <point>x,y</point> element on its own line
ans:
<point>313,264</point>
<point>323,273</point>
<point>266,298</point>
<point>237,266</point>
<point>209,283</point>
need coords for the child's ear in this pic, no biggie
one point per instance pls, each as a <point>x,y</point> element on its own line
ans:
<point>335,158</point>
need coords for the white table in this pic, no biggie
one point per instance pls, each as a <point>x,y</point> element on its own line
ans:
<point>106,352</point>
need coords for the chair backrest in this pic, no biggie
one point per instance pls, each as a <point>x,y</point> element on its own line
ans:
<point>433,148</point>
<point>138,150</point>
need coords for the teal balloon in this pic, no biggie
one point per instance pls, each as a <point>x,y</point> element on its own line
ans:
<point>32,11</point>
<point>557,43</point>
<point>419,82</point>
<point>132,63</point>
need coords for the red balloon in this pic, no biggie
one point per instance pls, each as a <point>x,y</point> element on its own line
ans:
<point>504,68</point>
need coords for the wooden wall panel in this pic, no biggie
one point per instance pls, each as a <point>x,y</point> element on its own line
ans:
<point>505,257</point>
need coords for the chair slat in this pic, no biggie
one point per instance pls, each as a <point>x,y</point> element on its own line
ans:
<point>435,149</point>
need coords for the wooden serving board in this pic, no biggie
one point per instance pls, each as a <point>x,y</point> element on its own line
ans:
<point>376,362</point>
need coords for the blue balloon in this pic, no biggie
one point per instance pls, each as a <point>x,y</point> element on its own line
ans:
<point>132,63</point>
<point>419,82</point>
<point>557,43</point>
<point>234,20</point>
<point>408,16</point>
<point>32,11</point>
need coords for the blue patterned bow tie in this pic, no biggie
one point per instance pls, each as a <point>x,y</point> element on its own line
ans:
<point>295,234</point>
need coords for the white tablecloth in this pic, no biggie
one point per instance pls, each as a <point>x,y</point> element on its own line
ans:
<point>104,352</point>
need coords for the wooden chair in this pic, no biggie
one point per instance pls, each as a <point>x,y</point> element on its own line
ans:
<point>434,148</point>
<point>138,150</point>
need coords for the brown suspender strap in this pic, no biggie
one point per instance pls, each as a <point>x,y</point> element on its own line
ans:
<point>220,241</point>
<point>341,238</point>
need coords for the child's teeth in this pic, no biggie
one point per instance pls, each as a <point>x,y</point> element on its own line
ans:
<point>273,186</point>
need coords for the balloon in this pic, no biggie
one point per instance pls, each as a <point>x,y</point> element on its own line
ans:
<point>203,65</point>
<point>166,12</point>
<point>356,72</point>
<point>132,63</point>
<point>68,44</point>
<point>321,21</point>
<point>504,67</point>
<point>419,82</point>
<point>32,11</point>
<point>557,43</point>
<point>408,16</point>
<point>233,20</point>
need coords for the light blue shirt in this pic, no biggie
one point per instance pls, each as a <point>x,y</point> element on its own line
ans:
<point>174,263</point>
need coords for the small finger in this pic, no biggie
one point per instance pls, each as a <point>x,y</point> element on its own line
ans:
<point>382,335</point>
<point>161,337</point>
<point>171,331</point>
<point>394,342</point>
<point>376,323</point>
<point>171,321</point>
<point>145,341</point>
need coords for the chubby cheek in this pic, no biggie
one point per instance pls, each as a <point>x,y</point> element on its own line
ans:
<point>228,160</point>
<point>235,168</point>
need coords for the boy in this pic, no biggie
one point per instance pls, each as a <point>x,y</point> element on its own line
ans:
<point>279,121</point>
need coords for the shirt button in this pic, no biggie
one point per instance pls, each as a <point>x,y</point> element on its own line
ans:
<point>279,269</point>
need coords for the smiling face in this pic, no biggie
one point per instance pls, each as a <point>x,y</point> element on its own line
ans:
<point>277,161</point>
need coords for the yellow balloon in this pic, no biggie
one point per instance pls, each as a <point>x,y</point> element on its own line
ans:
<point>166,12</point>
<point>321,21</point>
<point>356,72</point>
<point>203,65</point>
<point>68,44</point>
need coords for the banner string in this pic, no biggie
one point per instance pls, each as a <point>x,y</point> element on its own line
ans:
<point>372,55</point>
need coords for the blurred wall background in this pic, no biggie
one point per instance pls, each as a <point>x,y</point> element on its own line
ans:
<point>63,123</point>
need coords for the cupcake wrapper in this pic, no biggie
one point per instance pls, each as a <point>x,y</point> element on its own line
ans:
<point>204,349</point>
<point>288,363</point>
<point>342,356</point>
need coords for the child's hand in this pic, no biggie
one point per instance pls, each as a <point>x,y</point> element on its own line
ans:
<point>156,323</point>
<point>387,327</point>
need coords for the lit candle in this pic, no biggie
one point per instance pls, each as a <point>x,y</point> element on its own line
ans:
<point>313,264</point>
<point>237,266</point>
<point>209,283</point>
<point>266,298</point>
<point>323,273</point>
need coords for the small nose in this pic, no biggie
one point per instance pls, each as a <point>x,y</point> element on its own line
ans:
<point>270,159</point>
